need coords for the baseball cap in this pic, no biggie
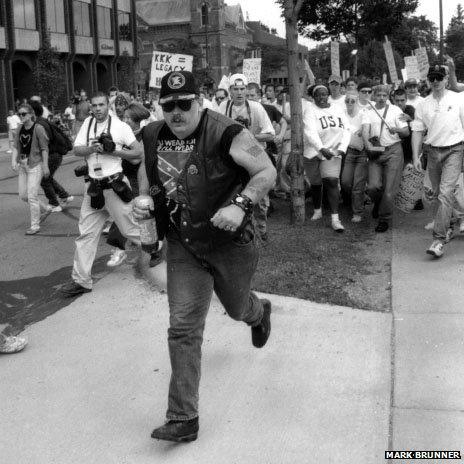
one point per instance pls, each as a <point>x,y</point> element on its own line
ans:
<point>238,77</point>
<point>335,78</point>
<point>410,82</point>
<point>178,85</point>
<point>364,85</point>
<point>437,70</point>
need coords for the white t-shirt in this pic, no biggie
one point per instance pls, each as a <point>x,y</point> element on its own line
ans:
<point>325,128</point>
<point>122,136</point>
<point>207,104</point>
<point>340,101</point>
<point>414,102</point>
<point>443,119</point>
<point>393,118</point>
<point>13,122</point>
<point>355,126</point>
<point>260,122</point>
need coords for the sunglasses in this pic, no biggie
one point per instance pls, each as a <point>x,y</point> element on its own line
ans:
<point>183,105</point>
<point>437,78</point>
<point>220,98</point>
<point>23,113</point>
<point>366,91</point>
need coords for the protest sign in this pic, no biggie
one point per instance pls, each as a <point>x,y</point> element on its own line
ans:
<point>422,62</point>
<point>411,188</point>
<point>412,67</point>
<point>390,60</point>
<point>252,70</point>
<point>224,84</point>
<point>404,74</point>
<point>335,57</point>
<point>163,63</point>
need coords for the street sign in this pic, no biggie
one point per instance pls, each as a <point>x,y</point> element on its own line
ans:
<point>252,70</point>
<point>163,63</point>
<point>390,60</point>
<point>335,57</point>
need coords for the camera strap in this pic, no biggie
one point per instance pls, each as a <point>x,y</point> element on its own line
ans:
<point>108,128</point>
<point>229,106</point>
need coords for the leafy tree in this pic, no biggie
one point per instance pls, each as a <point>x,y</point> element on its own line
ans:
<point>126,73</point>
<point>454,39</point>
<point>272,58</point>
<point>48,73</point>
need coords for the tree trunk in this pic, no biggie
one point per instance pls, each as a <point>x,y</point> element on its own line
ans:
<point>295,161</point>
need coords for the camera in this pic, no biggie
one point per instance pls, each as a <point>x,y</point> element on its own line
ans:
<point>81,171</point>
<point>243,121</point>
<point>107,142</point>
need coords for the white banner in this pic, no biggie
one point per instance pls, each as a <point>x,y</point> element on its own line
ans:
<point>422,61</point>
<point>390,60</point>
<point>335,57</point>
<point>163,63</point>
<point>412,67</point>
<point>252,70</point>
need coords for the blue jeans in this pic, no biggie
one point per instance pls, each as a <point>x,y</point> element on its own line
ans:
<point>354,178</point>
<point>444,166</point>
<point>385,178</point>
<point>191,281</point>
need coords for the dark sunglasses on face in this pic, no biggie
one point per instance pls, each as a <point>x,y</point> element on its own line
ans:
<point>436,77</point>
<point>366,91</point>
<point>220,98</point>
<point>183,105</point>
<point>22,114</point>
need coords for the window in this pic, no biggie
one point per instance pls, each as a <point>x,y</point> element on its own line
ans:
<point>124,24</point>
<point>55,15</point>
<point>81,12</point>
<point>105,30</point>
<point>24,14</point>
<point>204,15</point>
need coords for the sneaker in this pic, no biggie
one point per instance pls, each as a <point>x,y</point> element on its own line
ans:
<point>73,289</point>
<point>260,333</point>
<point>67,199</point>
<point>382,226</point>
<point>177,431</point>
<point>117,258</point>
<point>56,209</point>
<point>32,230</point>
<point>337,226</point>
<point>12,345</point>
<point>316,215</point>
<point>449,235</point>
<point>356,218</point>
<point>430,226</point>
<point>436,249</point>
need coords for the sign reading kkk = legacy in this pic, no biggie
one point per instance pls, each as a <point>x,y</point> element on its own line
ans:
<point>163,63</point>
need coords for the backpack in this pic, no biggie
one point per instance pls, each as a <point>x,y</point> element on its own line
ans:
<point>59,142</point>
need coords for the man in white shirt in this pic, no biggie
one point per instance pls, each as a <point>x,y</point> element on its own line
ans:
<point>385,122</point>
<point>441,116</point>
<point>336,97</point>
<point>13,122</point>
<point>253,116</point>
<point>412,94</point>
<point>108,192</point>
<point>364,95</point>
<point>220,96</point>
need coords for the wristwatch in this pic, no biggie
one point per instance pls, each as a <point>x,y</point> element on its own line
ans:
<point>242,201</point>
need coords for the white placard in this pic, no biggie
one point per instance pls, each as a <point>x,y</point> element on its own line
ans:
<point>412,67</point>
<point>422,62</point>
<point>335,57</point>
<point>224,84</point>
<point>163,62</point>
<point>390,60</point>
<point>404,74</point>
<point>252,70</point>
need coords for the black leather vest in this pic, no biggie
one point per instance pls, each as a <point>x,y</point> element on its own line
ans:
<point>209,180</point>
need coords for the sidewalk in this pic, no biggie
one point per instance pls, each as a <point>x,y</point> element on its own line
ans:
<point>93,383</point>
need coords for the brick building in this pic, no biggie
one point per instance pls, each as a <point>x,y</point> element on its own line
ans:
<point>90,35</point>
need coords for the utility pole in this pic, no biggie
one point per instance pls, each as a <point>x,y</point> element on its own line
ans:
<point>441,30</point>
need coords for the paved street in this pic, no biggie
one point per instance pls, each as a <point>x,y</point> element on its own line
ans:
<point>333,385</point>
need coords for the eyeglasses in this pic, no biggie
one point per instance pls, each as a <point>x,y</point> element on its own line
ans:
<point>220,98</point>
<point>23,113</point>
<point>183,105</point>
<point>365,91</point>
<point>436,77</point>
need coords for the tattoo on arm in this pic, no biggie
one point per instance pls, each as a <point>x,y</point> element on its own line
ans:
<point>253,148</point>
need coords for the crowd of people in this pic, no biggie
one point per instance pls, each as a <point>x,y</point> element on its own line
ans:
<point>207,168</point>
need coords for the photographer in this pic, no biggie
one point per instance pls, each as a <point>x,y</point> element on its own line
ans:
<point>100,142</point>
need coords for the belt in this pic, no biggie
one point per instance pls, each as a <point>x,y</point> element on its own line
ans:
<point>108,179</point>
<point>447,147</point>
<point>358,152</point>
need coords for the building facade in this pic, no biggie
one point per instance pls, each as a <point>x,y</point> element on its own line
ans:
<point>90,35</point>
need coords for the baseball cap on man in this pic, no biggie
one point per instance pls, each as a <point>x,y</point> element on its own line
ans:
<point>411,82</point>
<point>178,85</point>
<point>238,77</point>
<point>437,70</point>
<point>335,78</point>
